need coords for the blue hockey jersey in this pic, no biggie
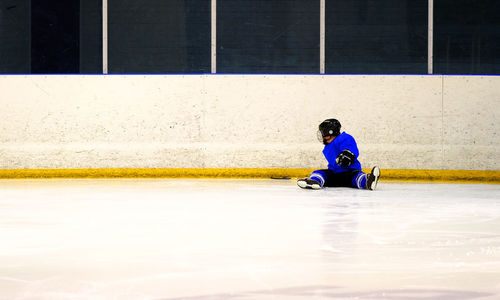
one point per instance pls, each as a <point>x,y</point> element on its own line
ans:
<point>342,142</point>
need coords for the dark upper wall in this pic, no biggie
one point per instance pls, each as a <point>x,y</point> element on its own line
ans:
<point>253,36</point>
<point>15,36</point>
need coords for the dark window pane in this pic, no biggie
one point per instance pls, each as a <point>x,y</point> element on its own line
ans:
<point>15,36</point>
<point>159,36</point>
<point>376,36</point>
<point>268,36</point>
<point>55,36</point>
<point>467,37</point>
<point>91,36</point>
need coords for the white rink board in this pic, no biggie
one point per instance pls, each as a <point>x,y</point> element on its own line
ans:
<point>246,121</point>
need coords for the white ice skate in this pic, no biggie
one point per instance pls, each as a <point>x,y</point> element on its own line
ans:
<point>307,183</point>
<point>372,178</point>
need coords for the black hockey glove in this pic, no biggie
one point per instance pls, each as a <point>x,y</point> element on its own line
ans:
<point>345,158</point>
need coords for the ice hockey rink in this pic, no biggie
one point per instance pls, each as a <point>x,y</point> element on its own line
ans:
<point>172,239</point>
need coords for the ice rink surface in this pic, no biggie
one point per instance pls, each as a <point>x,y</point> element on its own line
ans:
<point>247,239</point>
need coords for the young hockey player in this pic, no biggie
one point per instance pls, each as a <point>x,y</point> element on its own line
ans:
<point>344,169</point>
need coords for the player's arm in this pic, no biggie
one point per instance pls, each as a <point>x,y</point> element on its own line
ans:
<point>347,156</point>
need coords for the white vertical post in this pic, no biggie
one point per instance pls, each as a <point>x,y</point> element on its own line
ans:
<point>322,37</point>
<point>430,37</point>
<point>214,36</point>
<point>105,36</point>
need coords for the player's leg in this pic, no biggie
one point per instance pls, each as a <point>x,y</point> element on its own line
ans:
<point>327,178</point>
<point>351,178</point>
<point>315,181</point>
<point>368,181</point>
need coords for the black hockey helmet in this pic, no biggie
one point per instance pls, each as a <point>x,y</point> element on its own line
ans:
<point>329,127</point>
